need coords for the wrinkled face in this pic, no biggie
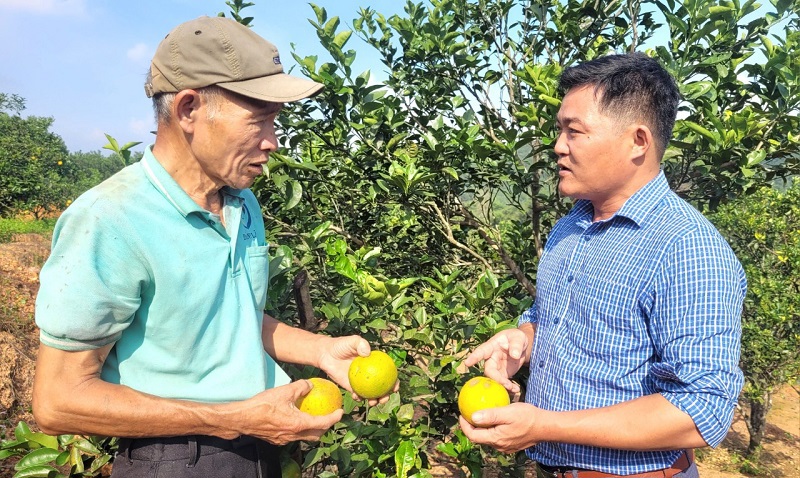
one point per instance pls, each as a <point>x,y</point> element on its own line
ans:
<point>233,140</point>
<point>593,163</point>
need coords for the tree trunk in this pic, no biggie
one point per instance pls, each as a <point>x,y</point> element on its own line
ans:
<point>756,424</point>
<point>305,310</point>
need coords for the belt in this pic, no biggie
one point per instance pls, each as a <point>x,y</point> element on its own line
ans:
<point>681,464</point>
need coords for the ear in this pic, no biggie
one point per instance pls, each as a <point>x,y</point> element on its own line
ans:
<point>186,109</point>
<point>642,143</point>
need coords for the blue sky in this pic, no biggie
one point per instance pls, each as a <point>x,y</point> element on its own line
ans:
<point>83,62</point>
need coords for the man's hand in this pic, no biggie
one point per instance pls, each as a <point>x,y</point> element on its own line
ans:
<point>507,429</point>
<point>503,355</point>
<point>273,416</point>
<point>336,357</point>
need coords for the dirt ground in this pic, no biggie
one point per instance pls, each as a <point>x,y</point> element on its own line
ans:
<point>21,260</point>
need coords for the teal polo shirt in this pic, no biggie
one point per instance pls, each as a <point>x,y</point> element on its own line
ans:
<point>137,263</point>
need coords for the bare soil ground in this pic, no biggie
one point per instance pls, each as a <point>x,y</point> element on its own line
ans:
<point>21,260</point>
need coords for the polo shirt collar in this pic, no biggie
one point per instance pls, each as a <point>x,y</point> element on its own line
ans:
<point>172,192</point>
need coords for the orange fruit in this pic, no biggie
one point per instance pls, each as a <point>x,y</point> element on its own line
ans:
<point>290,469</point>
<point>480,393</point>
<point>373,376</point>
<point>323,399</point>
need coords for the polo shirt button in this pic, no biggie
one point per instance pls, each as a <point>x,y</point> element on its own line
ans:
<point>541,363</point>
<point>210,222</point>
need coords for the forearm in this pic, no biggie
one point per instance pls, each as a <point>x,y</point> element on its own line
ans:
<point>645,424</point>
<point>70,397</point>
<point>281,342</point>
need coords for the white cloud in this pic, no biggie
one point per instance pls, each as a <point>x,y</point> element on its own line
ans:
<point>46,7</point>
<point>138,52</point>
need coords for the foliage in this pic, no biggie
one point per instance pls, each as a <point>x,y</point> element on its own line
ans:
<point>236,10</point>
<point>11,226</point>
<point>56,457</point>
<point>11,103</point>
<point>419,203</point>
<point>763,231</point>
<point>32,161</point>
<point>37,173</point>
<point>124,151</point>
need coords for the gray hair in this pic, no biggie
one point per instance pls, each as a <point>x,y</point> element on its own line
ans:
<point>162,102</point>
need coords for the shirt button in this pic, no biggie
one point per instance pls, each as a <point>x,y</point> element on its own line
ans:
<point>541,363</point>
<point>570,278</point>
<point>586,238</point>
<point>555,321</point>
<point>210,222</point>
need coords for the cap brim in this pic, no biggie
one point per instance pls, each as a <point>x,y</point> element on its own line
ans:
<point>278,88</point>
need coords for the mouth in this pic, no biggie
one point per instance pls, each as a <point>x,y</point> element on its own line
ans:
<point>257,168</point>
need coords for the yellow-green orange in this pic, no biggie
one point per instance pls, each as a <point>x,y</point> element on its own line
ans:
<point>480,393</point>
<point>290,469</point>
<point>373,376</point>
<point>323,399</point>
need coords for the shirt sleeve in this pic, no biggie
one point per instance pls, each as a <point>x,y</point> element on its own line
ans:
<point>90,285</point>
<point>529,316</point>
<point>696,329</point>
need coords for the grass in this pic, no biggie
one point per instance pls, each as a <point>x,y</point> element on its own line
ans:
<point>11,226</point>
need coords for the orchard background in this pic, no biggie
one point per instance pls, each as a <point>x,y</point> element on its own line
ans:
<point>413,210</point>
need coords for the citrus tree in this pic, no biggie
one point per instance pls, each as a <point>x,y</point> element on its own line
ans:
<point>32,161</point>
<point>763,230</point>
<point>417,200</point>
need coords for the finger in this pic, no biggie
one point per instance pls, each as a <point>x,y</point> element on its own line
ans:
<point>484,418</point>
<point>362,347</point>
<point>483,352</point>
<point>300,388</point>
<point>517,346</point>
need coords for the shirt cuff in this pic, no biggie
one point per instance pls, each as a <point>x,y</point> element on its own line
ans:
<point>712,414</point>
<point>529,316</point>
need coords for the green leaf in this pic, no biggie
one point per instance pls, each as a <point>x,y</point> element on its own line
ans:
<point>404,458</point>
<point>341,38</point>
<point>40,471</point>
<point>756,157</point>
<point>37,457</point>
<point>700,130</point>
<point>294,193</point>
<point>47,441</point>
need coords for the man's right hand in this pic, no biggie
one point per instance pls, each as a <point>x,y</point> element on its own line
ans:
<point>504,354</point>
<point>273,416</point>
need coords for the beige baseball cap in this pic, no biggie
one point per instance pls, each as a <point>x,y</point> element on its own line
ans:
<point>220,51</point>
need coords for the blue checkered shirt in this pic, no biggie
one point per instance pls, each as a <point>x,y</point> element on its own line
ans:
<point>647,301</point>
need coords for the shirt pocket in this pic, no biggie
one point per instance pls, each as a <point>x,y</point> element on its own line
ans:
<point>258,273</point>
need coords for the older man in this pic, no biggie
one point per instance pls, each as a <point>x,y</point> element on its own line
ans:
<point>151,303</point>
<point>633,341</point>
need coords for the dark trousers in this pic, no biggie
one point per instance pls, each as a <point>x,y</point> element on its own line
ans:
<point>196,457</point>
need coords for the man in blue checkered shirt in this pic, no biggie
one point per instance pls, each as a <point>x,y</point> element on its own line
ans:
<point>633,341</point>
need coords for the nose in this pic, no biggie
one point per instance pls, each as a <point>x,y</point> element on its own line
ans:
<point>560,147</point>
<point>269,142</point>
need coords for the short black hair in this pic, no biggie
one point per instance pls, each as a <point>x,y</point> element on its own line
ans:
<point>630,86</point>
